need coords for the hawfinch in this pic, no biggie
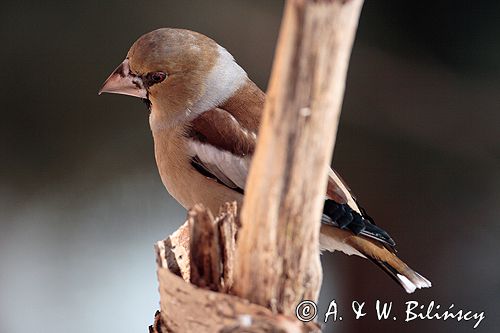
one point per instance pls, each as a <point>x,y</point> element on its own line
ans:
<point>204,116</point>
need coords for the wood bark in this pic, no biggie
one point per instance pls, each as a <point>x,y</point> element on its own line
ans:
<point>287,181</point>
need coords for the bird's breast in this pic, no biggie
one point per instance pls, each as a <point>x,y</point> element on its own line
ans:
<point>181,179</point>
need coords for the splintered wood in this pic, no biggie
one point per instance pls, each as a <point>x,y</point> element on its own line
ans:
<point>202,252</point>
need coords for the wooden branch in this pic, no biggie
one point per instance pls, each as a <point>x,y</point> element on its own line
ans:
<point>277,253</point>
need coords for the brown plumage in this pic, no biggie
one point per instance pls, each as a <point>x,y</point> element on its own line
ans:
<point>220,129</point>
<point>205,116</point>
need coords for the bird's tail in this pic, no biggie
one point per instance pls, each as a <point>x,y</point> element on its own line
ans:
<point>377,253</point>
<point>402,274</point>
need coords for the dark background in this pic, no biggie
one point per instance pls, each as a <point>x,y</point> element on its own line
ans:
<point>81,203</point>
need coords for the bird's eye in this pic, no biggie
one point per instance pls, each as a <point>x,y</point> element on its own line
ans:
<point>155,77</point>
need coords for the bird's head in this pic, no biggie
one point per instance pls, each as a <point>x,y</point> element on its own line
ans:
<point>179,72</point>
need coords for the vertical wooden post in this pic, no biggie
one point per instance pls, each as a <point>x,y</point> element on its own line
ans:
<point>277,261</point>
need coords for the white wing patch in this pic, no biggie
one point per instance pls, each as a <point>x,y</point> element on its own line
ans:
<point>230,169</point>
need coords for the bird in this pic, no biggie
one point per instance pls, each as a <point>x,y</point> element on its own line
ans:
<point>204,115</point>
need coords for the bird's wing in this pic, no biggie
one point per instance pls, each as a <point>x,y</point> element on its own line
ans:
<point>222,140</point>
<point>221,147</point>
<point>232,128</point>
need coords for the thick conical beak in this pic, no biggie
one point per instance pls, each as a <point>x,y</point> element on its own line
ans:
<point>122,81</point>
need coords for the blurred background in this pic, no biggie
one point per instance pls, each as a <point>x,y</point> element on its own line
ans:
<point>81,203</point>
